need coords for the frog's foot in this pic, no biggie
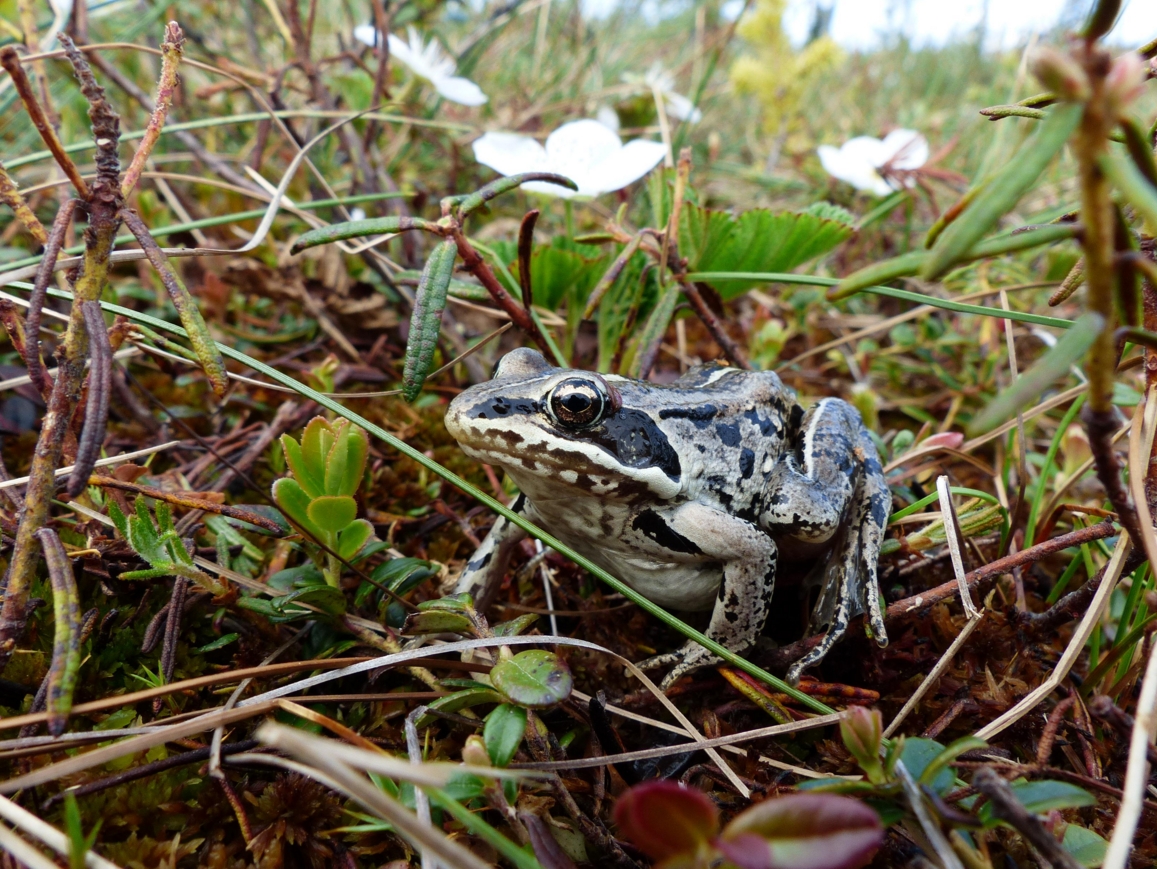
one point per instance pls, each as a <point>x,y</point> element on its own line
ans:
<point>687,659</point>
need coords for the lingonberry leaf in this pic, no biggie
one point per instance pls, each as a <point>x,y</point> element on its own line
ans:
<point>664,819</point>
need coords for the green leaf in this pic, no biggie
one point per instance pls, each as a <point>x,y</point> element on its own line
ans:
<point>316,441</point>
<point>940,763</point>
<point>803,831</point>
<point>426,321</point>
<point>452,603</point>
<point>1041,797</point>
<point>436,622</point>
<point>536,679</point>
<point>219,643</point>
<point>754,241</point>
<point>346,461</point>
<point>332,513</point>
<point>919,753</point>
<point>304,472</point>
<point>473,696</point>
<point>360,229</point>
<point>473,201</point>
<point>517,626</point>
<point>558,274</point>
<point>402,574</point>
<point>1004,191</point>
<point>352,538</point>
<point>295,503</point>
<point>1132,184</point>
<point>326,598</point>
<point>1087,847</point>
<point>1044,372</point>
<point>505,726</point>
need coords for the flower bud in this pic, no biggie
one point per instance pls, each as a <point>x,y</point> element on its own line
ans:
<point>1060,73</point>
<point>861,730</point>
<point>474,751</point>
<point>1125,81</point>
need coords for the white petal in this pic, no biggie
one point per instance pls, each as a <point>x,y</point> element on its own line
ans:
<point>460,90</point>
<point>678,106</point>
<point>574,150</point>
<point>510,153</point>
<point>853,163</point>
<point>636,159</point>
<point>608,117</point>
<point>366,34</point>
<point>906,149</point>
<point>402,52</point>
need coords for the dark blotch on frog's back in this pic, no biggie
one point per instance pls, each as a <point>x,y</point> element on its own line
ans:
<point>501,407</point>
<point>728,433</point>
<point>701,415</point>
<point>636,441</point>
<point>651,524</point>
<point>746,463</point>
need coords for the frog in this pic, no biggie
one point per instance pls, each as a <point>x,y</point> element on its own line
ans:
<point>689,492</point>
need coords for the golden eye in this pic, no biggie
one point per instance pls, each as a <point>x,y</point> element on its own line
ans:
<point>578,403</point>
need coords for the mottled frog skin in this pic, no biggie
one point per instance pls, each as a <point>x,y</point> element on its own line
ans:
<point>688,492</point>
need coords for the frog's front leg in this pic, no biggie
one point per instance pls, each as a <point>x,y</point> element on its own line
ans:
<point>483,573</point>
<point>836,489</point>
<point>748,556</point>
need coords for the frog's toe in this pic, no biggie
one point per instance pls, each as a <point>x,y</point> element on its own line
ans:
<point>686,660</point>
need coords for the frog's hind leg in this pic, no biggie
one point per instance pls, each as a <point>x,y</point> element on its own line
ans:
<point>483,573</point>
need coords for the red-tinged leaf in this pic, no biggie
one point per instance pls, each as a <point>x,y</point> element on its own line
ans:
<point>949,439</point>
<point>664,819</point>
<point>803,831</point>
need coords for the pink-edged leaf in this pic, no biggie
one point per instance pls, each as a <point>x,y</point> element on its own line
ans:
<point>803,831</point>
<point>664,819</point>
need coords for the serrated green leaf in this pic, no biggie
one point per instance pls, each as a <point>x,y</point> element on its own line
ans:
<point>306,473</point>
<point>535,679</point>
<point>347,461</point>
<point>754,241</point>
<point>332,513</point>
<point>1004,191</point>
<point>294,502</point>
<point>503,733</point>
<point>352,538</point>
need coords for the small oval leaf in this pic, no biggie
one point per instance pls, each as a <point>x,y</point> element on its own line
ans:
<point>293,501</point>
<point>664,819</point>
<point>437,622</point>
<point>333,513</point>
<point>536,678</point>
<point>803,831</point>
<point>503,733</point>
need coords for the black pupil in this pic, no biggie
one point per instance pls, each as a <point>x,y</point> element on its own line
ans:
<point>576,403</point>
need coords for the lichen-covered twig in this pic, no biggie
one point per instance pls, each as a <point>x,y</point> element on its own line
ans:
<point>11,196</point>
<point>10,60</point>
<point>171,50</point>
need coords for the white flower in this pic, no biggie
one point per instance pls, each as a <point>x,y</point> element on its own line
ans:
<point>608,117</point>
<point>586,152</point>
<point>876,166</point>
<point>427,61</point>
<point>678,106</point>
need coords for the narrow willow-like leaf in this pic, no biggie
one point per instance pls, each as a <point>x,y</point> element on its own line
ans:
<point>66,643</point>
<point>1004,191</point>
<point>878,273</point>
<point>1044,372</point>
<point>1140,148</point>
<point>1101,19</point>
<point>473,201</point>
<point>1127,178</point>
<point>360,229</point>
<point>429,302</point>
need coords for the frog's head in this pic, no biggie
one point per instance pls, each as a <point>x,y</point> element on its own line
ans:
<point>566,429</point>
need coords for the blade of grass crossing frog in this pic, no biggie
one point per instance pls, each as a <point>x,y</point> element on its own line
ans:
<point>66,642</point>
<point>360,229</point>
<point>453,479</point>
<point>1046,371</point>
<point>1004,191</point>
<point>1132,184</point>
<point>426,322</point>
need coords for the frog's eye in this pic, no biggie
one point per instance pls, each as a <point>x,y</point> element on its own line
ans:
<point>579,402</point>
